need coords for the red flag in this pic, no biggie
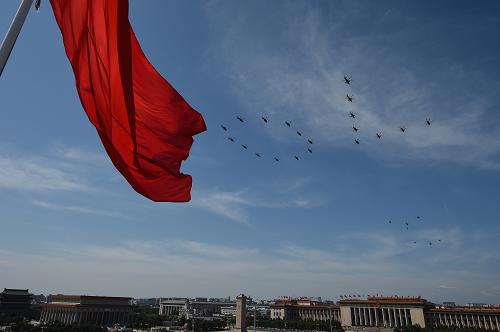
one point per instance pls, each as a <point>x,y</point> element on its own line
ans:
<point>145,125</point>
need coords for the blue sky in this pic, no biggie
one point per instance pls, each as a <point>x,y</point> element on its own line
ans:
<point>314,227</point>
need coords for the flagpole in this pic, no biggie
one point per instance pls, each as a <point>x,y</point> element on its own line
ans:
<point>13,33</point>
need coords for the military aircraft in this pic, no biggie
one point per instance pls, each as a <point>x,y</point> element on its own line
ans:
<point>297,158</point>
<point>310,141</point>
<point>347,80</point>
<point>390,221</point>
<point>258,154</point>
<point>244,146</point>
<point>350,98</point>
<point>240,118</point>
<point>355,128</point>
<point>287,123</point>
<point>310,151</point>
<point>276,159</point>
<point>379,135</point>
<point>231,139</point>
<point>356,141</point>
<point>403,129</point>
<point>428,121</point>
<point>352,115</point>
<point>299,133</point>
<point>223,127</point>
<point>264,119</point>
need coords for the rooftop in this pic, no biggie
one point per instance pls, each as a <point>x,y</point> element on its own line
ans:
<point>388,300</point>
<point>12,291</point>
<point>491,309</point>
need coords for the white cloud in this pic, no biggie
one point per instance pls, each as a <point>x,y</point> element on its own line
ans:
<point>446,287</point>
<point>80,155</point>
<point>27,174</point>
<point>227,204</point>
<point>234,205</point>
<point>57,168</point>
<point>78,209</point>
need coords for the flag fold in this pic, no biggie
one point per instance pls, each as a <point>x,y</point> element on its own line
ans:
<point>145,125</point>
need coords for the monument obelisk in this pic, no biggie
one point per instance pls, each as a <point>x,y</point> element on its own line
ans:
<point>241,314</point>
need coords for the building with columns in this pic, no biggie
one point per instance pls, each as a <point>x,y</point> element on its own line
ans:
<point>471,317</point>
<point>378,313</point>
<point>305,310</point>
<point>391,312</point>
<point>199,307</point>
<point>86,310</point>
<point>395,312</point>
<point>174,306</point>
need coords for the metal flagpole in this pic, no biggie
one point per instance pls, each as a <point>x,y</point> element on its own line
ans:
<point>14,29</point>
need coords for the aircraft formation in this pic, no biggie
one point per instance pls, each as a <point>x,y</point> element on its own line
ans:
<point>266,121</point>
<point>406,225</point>
<point>355,127</point>
<point>350,99</point>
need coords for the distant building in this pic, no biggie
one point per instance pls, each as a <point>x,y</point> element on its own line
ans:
<point>263,310</point>
<point>39,299</point>
<point>476,305</point>
<point>15,301</point>
<point>86,310</point>
<point>389,312</point>
<point>449,304</point>
<point>174,306</point>
<point>396,312</point>
<point>188,308</point>
<point>220,299</point>
<point>147,302</point>
<point>228,311</point>
<point>304,309</point>
<point>460,317</point>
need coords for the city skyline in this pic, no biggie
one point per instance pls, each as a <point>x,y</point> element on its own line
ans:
<point>317,226</point>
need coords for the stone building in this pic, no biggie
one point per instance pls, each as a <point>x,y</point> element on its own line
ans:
<point>377,313</point>
<point>173,306</point>
<point>86,310</point>
<point>16,301</point>
<point>471,317</point>
<point>198,307</point>
<point>389,312</point>
<point>305,310</point>
<point>395,312</point>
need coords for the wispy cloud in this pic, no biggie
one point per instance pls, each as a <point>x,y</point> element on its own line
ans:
<point>31,174</point>
<point>446,287</point>
<point>78,154</point>
<point>235,205</point>
<point>230,205</point>
<point>78,209</point>
<point>57,168</point>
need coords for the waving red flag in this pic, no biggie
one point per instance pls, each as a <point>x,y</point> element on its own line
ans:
<point>145,125</point>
